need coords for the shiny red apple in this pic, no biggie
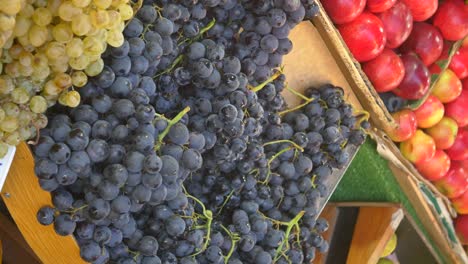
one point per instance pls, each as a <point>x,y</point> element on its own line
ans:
<point>386,71</point>
<point>461,228</point>
<point>436,168</point>
<point>426,41</point>
<point>452,19</point>
<point>343,11</point>
<point>418,148</point>
<point>454,183</point>
<point>458,109</point>
<point>459,63</point>
<point>421,9</point>
<point>459,149</point>
<point>364,36</point>
<point>378,6</point>
<point>448,87</point>
<point>416,81</point>
<point>406,125</point>
<point>444,132</point>
<point>398,23</point>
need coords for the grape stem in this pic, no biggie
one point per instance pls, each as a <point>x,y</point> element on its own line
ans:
<point>284,141</point>
<point>267,81</point>
<point>200,34</point>
<point>306,99</point>
<point>171,122</point>
<point>75,209</point>
<point>225,202</point>
<point>289,226</point>
<point>171,68</point>
<point>209,219</point>
<point>234,239</point>
<point>293,146</point>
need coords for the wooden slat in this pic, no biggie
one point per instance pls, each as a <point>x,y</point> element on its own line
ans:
<point>331,214</point>
<point>23,197</point>
<point>374,227</point>
<point>16,250</point>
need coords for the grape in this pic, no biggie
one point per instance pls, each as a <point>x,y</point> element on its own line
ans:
<point>64,225</point>
<point>45,215</point>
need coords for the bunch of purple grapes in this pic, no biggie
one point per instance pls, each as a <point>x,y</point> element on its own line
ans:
<point>183,149</point>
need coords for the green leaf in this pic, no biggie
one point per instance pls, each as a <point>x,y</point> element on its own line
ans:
<point>442,63</point>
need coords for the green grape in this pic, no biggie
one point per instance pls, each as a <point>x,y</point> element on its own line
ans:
<point>22,26</point>
<point>40,120</point>
<point>95,67</point>
<point>42,16</point>
<point>3,149</point>
<point>25,117</point>
<point>79,79</point>
<point>12,139</point>
<point>6,84</point>
<point>9,124</point>
<point>38,104</point>
<point>20,95</point>
<point>2,114</point>
<point>11,109</point>
<point>25,133</point>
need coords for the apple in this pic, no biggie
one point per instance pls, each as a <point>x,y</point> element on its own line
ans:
<point>364,36</point>
<point>462,163</point>
<point>430,112</point>
<point>444,132</point>
<point>461,203</point>
<point>421,9</point>
<point>454,183</point>
<point>448,87</point>
<point>461,228</point>
<point>406,125</point>
<point>416,81</point>
<point>426,41</point>
<point>385,72</point>
<point>459,62</point>
<point>398,23</point>
<point>459,149</point>
<point>458,109</point>
<point>418,148</point>
<point>465,84</point>
<point>379,6</point>
<point>343,11</point>
<point>436,168</point>
<point>452,19</point>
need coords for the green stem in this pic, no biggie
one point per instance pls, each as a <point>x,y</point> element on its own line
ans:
<point>298,94</point>
<point>296,108</point>
<point>263,84</point>
<point>234,239</point>
<point>284,141</point>
<point>171,68</point>
<point>200,34</point>
<point>170,123</point>
<point>75,209</point>
<point>293,223</point>
<point>225,202</point>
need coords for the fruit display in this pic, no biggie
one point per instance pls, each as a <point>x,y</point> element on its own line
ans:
<point>183,149</point>
<point>48,50</point>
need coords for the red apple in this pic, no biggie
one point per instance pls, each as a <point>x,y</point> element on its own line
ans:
<point>459,62</point>
<point>418,148</point>
<point>364,36</point>
<point>406,121</point>
<point>444,132</point>
<point>421,9</point>
<point>465,84</point>
<point>454,183</point>
<point>379,6</point>
<point>386,71</point>
<point>461,228</point>
<point>416,81</point>
<point>459,149</point>
<point>448,87</point>
<point>397,23</point>
<point>436,168</point>
<point>343,11</point>
<point>452,19</point>
<point>430,112</point>
<point>462,163</point>
<point>426,41</point>
<point>461,203</point>
<point>458,109</point>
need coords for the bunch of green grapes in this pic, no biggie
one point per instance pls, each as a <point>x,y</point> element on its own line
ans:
<point>8,11</point>
<point>55,45</point>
